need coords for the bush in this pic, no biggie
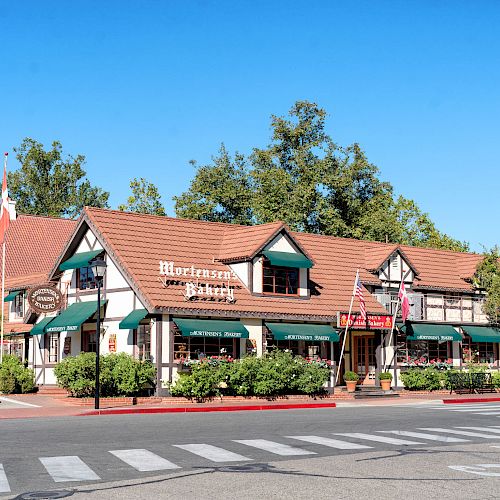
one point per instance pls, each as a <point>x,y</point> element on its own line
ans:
<point>119,375</point>
<point>495,379</point>
<point>427,379</point>
<point>385,376</point>
<point>351,376</point>
<point>201,383</point>
<point>15,378</point>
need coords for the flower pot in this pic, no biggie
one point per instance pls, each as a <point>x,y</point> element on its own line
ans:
<point>386,384</point>
<point>351,385</point>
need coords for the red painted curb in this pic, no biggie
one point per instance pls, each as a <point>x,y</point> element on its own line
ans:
<point>469,400</point>
<point>194,409</point>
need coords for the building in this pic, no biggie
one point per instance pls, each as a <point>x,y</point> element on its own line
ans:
<point>180,289</point>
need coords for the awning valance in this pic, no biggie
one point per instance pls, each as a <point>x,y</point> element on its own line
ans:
<point>39,328</point>
<point>72,318</point>
<point>423,331</point>
<point>482,333</point>
<point>211,328</point>
<point>78,260</point>
<point>297,331</point>
<point>286,259</point>
<point>132,320</point>
<point>12,296</point>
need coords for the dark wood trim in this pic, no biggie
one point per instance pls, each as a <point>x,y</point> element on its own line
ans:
<point>158,360</point>
<point>93,291</point>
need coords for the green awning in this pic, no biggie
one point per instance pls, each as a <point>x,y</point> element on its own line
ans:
<point>39,328</point>
<point>72,318</point>
<point>482,333</point>
<point>12,296</point>
<point>297,331</point>
<point>286,259</point>
<point>132,320</point>
<point>79,260</point>
<point>422,331</point>
<point>211,328</point>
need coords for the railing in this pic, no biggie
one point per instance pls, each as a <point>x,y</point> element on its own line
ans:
<point>435,307</point>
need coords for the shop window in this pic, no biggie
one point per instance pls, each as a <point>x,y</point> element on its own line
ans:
<point>478,352</point>
<point>85,279</point>
<point>88,341</point>
<point>16,348</point>
<point>53,350</point>
<point>143,342</point>
<point>18,306</point>
<point>200,347</point>
<point>280,280</point>
<point>303,348</point>
<point>429,350</point>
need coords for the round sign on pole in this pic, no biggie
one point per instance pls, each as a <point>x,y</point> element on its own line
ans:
<point>45,298</point>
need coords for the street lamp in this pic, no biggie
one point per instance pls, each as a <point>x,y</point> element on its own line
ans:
<point>98,267</point>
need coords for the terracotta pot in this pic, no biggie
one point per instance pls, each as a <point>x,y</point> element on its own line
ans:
<point>386,384</point>
<point>351,385</point>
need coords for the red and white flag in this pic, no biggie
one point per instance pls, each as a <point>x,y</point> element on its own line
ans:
<point>405,304</point>
<point>359,294</point>
<point>4,209</point>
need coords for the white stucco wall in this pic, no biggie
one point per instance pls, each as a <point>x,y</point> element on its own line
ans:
<point>242,270</point>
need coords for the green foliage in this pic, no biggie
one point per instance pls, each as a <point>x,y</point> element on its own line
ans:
<point>351,376</point>
<point>385,376</point>
<point>119,375</point>
<point>15,378</point>
<point>495,379</point>
<point>427,379</point>
<point>48,184</point>
<point>487,277</point>
<point>145,198</point>
<point>275,374</point>
<point>314,185</point>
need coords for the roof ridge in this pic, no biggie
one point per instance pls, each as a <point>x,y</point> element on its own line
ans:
<point>50,217</point>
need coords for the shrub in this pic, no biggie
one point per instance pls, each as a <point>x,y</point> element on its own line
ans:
<point>351,376</point>
<point>385,376</point>
<point>495,379</point>
<point>312,380</point>
<point>15,377</point>
<point>427,379</point>
<point>201,383</point>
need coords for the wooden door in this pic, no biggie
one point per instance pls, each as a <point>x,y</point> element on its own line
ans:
<point>364,359</point>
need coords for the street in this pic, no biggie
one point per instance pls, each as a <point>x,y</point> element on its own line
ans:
<point>352,451</point>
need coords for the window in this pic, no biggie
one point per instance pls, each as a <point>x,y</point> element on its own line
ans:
<point>417,349</point>
<point>143,342</point>
<point>280,280</point>
<point>53,350</point>
<point>88,341</point>
<point>304,348</point>
<point>85,279</point>
<point>198,347</point>
<point>18,305</point>
<point>477,352</point>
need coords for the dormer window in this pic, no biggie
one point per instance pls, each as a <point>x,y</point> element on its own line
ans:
<point>279,280</point>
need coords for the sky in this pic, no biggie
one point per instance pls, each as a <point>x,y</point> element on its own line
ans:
<point>143,87</point>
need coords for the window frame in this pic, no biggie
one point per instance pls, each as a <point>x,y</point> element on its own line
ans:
<point>86,340</point>
<point>266,265</point>
<point>146,354</point>
<point>53,346</point>
<point>18,303</point>
<point>89,284</point>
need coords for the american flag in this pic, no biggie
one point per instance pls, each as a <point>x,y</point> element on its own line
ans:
<point>359,294</point>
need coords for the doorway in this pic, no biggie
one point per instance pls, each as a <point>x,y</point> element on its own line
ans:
<point>364,359</point>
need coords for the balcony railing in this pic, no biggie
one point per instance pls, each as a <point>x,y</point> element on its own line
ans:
<point>435,307</point>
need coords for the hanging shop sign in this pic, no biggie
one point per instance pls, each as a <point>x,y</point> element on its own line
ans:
<point>112,342</point>
<point>45,298</point>
<point>372,322</point>
<point>199,283</point>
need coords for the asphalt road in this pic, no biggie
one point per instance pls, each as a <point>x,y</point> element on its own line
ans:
<point>345,452</point>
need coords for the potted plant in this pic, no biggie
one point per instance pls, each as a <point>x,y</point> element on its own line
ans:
<point>351,380</point>
<point>385,380</point>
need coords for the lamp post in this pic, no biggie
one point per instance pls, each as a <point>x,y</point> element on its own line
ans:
<point>98,267</point>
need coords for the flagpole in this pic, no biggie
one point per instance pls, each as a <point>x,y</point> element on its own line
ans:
<point>346,327</point>
<point>392,331</point>
<point>3,276</point>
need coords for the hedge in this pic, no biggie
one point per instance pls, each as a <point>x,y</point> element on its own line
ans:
<point>276,374</point>
<point>119,375</point>
<point>15,378</point>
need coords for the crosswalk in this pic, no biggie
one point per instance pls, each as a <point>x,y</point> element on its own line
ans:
<point>489,409</point>
<point>71,468</point>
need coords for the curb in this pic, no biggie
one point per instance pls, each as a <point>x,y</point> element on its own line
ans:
<point>207,409</point>
<point>469,400</point>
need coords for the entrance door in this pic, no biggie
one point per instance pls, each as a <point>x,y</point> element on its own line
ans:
<point>364,362</point>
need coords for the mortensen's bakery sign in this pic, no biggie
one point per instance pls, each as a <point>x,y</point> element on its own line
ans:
<point>45,299</point>
<point>200,283</point>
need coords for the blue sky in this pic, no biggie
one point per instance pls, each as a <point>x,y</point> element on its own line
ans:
<point>142,87</point>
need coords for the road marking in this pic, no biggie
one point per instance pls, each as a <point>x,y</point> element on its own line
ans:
<point>380,439</point>
<point>4,483</point>
<point>332,443</point>
<point>273,447</point>
<point>487,429</point>
<point>22,403</point>
<point>494,413</point>
<point>460,433</point>
<point>68,468</point>
<point>479,469</point>
<point>212,453</point>
<point>430,437</point>
<point>143,460</point>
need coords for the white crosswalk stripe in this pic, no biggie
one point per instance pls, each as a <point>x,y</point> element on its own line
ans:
<point>212,453</point>
<point>273,447</point>
<point>430,437</point>
<point>143,460</point>
<point>460,432</point>
<point>332,443</point>
<point>380,439</point>
<point>487,429</point>
<point>4,483</point>
<point>492,413</point>
<point>68,468</point>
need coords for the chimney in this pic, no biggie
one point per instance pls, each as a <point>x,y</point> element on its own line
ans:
<point>12,210</point>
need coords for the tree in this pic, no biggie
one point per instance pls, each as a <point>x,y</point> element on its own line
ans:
<point>145,198</point>
<point>314,185</point>
<point>487,277</point>
<point>48,184</point>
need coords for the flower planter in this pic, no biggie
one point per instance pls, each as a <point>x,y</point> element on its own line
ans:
<point>386,384</point>
<point>351,385</point>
